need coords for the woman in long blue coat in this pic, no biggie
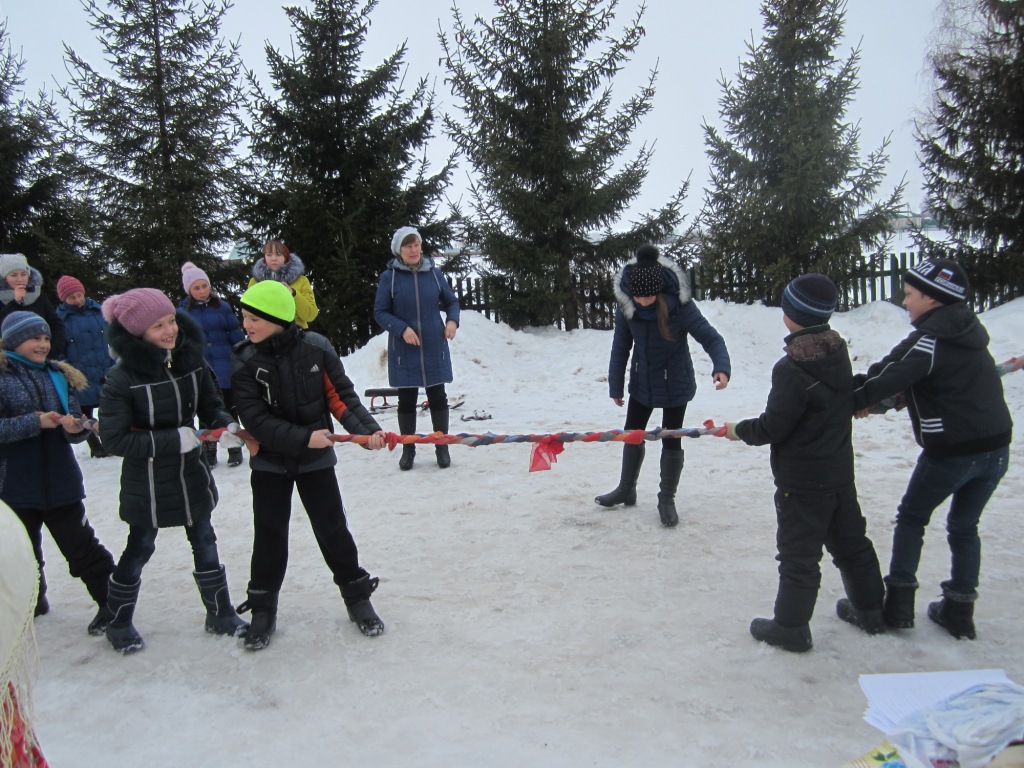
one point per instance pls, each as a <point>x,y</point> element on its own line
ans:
<point>653,319</point>
<point>409,296</point>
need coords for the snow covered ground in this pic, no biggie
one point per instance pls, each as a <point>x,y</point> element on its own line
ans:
<point>525,624</point>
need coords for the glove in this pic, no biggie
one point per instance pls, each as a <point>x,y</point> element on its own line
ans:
<point>229,439</point>
<point>187,439</point>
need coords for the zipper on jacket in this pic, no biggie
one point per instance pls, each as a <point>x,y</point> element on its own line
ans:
<point>419,319</point>
<point>151,478</point>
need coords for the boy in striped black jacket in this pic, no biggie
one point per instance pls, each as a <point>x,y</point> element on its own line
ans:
<point>947,379</point>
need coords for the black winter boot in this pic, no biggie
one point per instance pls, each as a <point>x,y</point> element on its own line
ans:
<point>671,468</point>
<point>121,599</point>
<point>42,604</point>
<point>954,612</point>
<point>407,426</point>
<point>790,630</point>
<point>96,449</point>
<point>439,420</point>
<point>898,610</point>
<point>794,639</point>
<point>357,599</point>
<point>625,493</point>
<point>221,618</point>
<point>210,452</point>
<point>263,604</point>
<point>98,626</point>
<point>98,587</point>
<point>871,621</point>
<point>234,457</point>
<point>862,606</point>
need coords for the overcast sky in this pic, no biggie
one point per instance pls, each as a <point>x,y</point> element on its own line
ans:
<point>691,42</point>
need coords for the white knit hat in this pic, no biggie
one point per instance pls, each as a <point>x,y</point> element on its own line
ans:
<point>9,262</point>
<point>400,234</point>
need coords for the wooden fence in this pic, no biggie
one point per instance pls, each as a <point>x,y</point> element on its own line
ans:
<point>597,301</point>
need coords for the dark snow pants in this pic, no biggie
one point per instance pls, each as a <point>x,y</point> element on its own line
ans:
<point>271,509</point>
<point>808,521</point>
<point>69,526</point>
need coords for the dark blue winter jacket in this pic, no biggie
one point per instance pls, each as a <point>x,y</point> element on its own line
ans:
<point>38,469</point>
<point>414,298</point>
<point>660,370</point>
<point>220,330</point>
<point>87,348</point>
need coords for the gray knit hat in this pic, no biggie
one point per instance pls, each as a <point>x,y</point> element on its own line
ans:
<point>9,262</point>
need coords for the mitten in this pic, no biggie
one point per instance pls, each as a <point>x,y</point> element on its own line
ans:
<point>229,439</point>
<point>188,439</point>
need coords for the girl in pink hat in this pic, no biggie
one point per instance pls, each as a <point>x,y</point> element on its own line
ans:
<point>148,408</point>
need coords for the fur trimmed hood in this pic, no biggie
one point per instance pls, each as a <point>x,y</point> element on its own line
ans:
<point>35,284</point>
<point>76,379</point>
<point>289,272</point>
<point>676,283</point>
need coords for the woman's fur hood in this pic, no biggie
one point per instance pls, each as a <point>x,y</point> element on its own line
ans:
<point>35,281</point>
<point>676,283</point>
<point>289,272</point>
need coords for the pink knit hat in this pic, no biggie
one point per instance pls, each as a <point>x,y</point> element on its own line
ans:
<point>137,309</point>
<point>68,285</point>
<point>190,273</point>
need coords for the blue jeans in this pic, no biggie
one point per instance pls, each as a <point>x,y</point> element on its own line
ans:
<point>970,480</point>
<point>141,545</point>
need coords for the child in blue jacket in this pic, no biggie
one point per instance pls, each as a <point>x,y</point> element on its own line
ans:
<point>86,348</point>
<point>39,476</point>
<point>221,331</point>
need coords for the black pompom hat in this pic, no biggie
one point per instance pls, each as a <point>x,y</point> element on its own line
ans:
<point>646,277</point>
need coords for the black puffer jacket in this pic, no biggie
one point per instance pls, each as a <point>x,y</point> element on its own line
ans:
<point>278,388</point>
<point>949,381</point>
<point>808,418</point>
<point>146,397</point>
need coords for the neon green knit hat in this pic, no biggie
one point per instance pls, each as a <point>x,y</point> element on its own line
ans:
<point>272,301</point>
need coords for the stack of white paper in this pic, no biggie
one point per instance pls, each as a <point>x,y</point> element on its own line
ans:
<point>891,698</point>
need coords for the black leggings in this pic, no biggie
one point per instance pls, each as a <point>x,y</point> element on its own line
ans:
<point>638,414</point>
<point>408,396</point>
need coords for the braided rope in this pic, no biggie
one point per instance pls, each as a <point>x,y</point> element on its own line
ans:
<point>633,437</point>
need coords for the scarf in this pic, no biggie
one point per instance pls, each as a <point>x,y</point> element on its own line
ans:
<point>60,383</point>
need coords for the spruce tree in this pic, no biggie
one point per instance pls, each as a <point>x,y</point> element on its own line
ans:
<point>539,130</point>
<point>788,191</point>
<point>972,149</point>
<point>38,214</point>
<point>339,164</point>
<point>155,130</point>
